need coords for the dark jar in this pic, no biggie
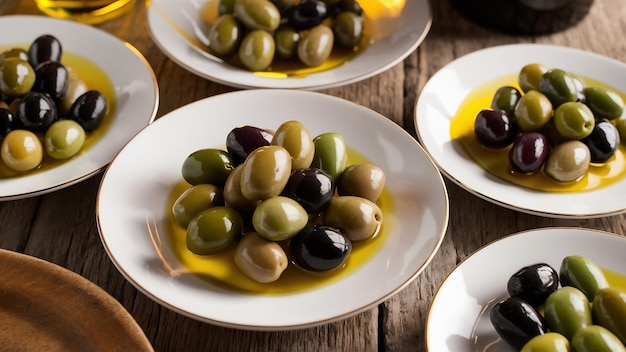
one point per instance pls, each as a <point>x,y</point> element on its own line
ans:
<point>524,17</point>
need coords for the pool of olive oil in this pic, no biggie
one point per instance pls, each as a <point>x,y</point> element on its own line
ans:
<point>220,269</point>
<point>496,161</point>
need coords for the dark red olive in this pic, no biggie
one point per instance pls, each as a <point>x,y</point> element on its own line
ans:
<point>89,110</point>
<point>51,77</point>
<point>313,188</point>
<point>307,14</point>
<point>319,248</point>
<point>495,128</point>
<point>516,321</point>
<point>533,283</point>
<point>242,140</point>
<point>603,141</point>
<point>45,48</point>
<point>529,152</point>
<point>8,122</point>
<point>36,111</point>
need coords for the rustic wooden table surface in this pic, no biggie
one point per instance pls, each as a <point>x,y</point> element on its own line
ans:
<point>67,235</point>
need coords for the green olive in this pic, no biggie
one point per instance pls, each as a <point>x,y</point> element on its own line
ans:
<point>357,218</point>
<point>232,193</point>
<point>14,52</point>
<point>595,338</point>
<point>533,111</point>
<point>64,139</point>
<point>256,50</point>
<point>315,47</point>
<point>226,6</point>
<point>225,35</point>
<point>620,123</point>
<point>194,200</point>
<point>550,341</point>
<point>17,77</point>
<point>331,153</point>
<point>573,120</point>
<point>605,103</point>
<point>257,14</point>
<point>568,161</point>
<point>609,310</point>
<point>265,172</point>
<point>286,39</point>
<point>260,259</point>
<point>566,310</point>
<point>583,274</point>
<point>347,29</point>
<point>214,230</point>
<point>279,218</point>
<point>529,76</point>
<point>559,86</point>
<point>293,136</point>
<point>362,180</point>
<point>209,165</point>
<point>506,99</point>
<point>21,150</point>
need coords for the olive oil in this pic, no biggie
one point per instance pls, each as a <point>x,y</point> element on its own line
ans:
<point>220,269</point>
<point>85,11</point>
<point>496,161</point>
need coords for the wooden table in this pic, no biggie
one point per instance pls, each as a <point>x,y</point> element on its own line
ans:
<point>60,227</point>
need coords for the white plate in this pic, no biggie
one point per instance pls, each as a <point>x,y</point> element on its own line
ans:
<point>403,23</point>
<point>135,189</point>
<point>458,320</point>
<point>136,90</point>
<point>440,98</point>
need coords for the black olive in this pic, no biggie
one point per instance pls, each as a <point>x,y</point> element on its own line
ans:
<point>8,122</point>
<point>319,248</point>
<point>516,321</point>
<point>307,14</point>
<point>312,188</point>
<point>89,110</point>
<point>603,141</point>
<point>495,128</point>
<point>533,283</point>
<point>242,140</point>
<point>45,48</point>
<point>51,77</point>
<point>36,111</point>
<point>529,152</point>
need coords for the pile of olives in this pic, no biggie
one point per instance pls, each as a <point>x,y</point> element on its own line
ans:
<point>255,32</point>
<point>279,197</point>
<point>45,109</point>
<point>556,124</point>
<point>580,309</point>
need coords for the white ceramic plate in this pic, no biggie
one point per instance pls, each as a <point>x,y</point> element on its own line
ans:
<point>458,320</point>
<point>440,98</point>
<point>133,198</point>
<point>136,90</point>
<point>402,25</point>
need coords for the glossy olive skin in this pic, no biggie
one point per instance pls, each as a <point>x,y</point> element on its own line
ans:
<point>357,218</point>
<point>307,14</point>
<point>319,248</point>
<point>550,341</point>
<point>8,122</point>
<point>194,200</point>
<point>256,51</point>
<point>609,310</point>
<point>605,103</point>
<point>595,338</point>
<point>530,75</point>
<point>506,99</point>
<point>495,128</point>
<point>568,161</point>
<point>257,14</point>
<point>265,172</point>
<point>348,29</point>
<point>603,141</point>
<point>36,111</point>
<point>582,273</point>
<point>21,150</point>
<point>89,110</point>
<point>214,230</point>
<point>362,180</point>
<point>313,188</point>
<point>533,283</point>
<point>14,52</point>
<point>52,78</point>
<point>566,310</point>
<point>574,120</point>
<point>295,138</point>
<point>260,259</point>
<point>279,218</point>
<point>286,39</point>
<point>17,77</point>
<point>533,111</point>
<point>315,47</point>
<point>516,321</point>
<point>210,165</point>
<point>44,48</point>
<point>64,139</point>
<point>529,153</point>
<point>242,140</point>
<point>331,153</point>
<point>225,35</point>
<point>75,88</point>
<point>559,86</point>
<point>233,197</point>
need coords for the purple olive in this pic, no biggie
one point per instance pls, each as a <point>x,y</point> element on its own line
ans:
<point>516,321</point>
<point>529,152</point>
<point>603,141</point>
<point>36,111</point>
<point>319,248</point>
<point>533,283</point>
<point>51,77</point>
<point>313,188</point>
<point>242,140</point>
<point>495,128</point>
<point>89,110</point>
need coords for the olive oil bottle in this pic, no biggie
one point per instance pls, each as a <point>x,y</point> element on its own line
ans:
<point>524,17</point>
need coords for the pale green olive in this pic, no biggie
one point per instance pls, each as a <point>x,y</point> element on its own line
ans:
<point>357,218</point>
<point>75,88</point>
<point>21,150</point>
<point>573,120</point>
<point>295,138</point>
<point>286,39</point>
<point>257,14</point>
<point>256,50</point>
<point>194,200</point>
<point>315,47</point>
<point>64,139</point>
<point>362,180</point>
<point>533,111</point>
<point>265,172</point>
<point>279,218</point>
<point>550,341</point>
<point>568,161</point>
<point>17,77</point>
<point>214,230</point>
<point>233,197</point>
<point>260,259</point>
<point>529,76</point>
<point>331,154</point>
<point>566,310</point>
